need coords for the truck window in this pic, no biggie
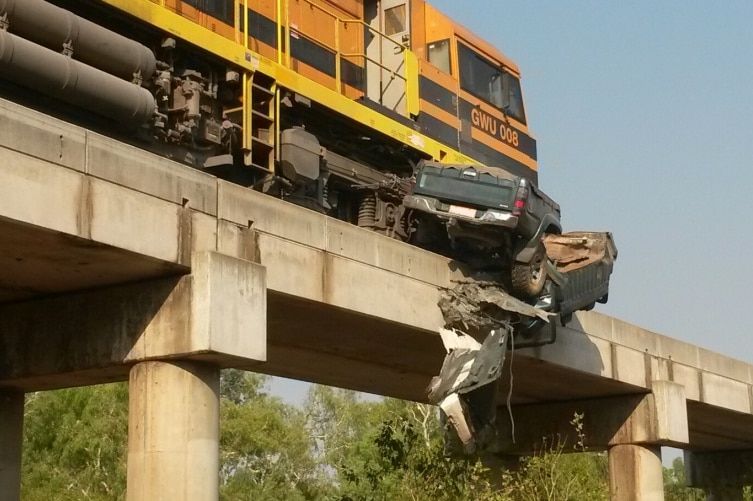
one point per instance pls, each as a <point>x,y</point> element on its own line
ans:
<point>490,82</point>
<point>220,9</point>
<point>438,54</point>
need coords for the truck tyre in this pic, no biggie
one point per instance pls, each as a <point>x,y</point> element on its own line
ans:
<point>528,279</point>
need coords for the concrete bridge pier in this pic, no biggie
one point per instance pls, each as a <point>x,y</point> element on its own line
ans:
<point>631,427</point>
<point>11,442</point>
<point>635,472</point>
<point>721,474</point>
<point>173,431</point>
<point>169,337</point>
<point>174,398</point>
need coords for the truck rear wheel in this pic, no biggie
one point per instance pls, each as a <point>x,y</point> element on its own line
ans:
<point>528,279</point>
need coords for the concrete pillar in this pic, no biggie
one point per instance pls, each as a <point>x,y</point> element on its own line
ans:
<point>173,431</point>
<point>635,473</point>
<point>631,427</point>
<point>11,444</point>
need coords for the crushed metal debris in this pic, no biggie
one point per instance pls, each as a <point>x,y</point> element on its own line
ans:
<point>483,321</point>
<point>478,307</point>
<point>468,383</point>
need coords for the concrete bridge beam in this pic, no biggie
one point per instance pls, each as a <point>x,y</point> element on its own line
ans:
<point>173,431</point>
<point>631,427</point>
<point>11,442</point>
<point>656,418</point>
<point>217,314</point>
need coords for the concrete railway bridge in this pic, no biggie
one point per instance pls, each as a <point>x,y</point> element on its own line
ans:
<point>118,265</point>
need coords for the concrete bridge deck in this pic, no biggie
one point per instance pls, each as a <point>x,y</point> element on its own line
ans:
<point>99,239</point>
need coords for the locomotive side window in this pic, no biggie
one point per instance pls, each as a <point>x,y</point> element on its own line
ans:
<point>490,82</point>
<point>438,54</point>
<point>395,20</point>
<point>221,9</point>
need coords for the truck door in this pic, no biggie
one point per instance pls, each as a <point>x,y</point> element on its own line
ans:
<point>386,80</point>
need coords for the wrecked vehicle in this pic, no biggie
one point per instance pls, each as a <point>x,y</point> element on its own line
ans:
<point>529,276</point>
<point>500,222</point>
<point>483,321</point>
<point>489,214</point>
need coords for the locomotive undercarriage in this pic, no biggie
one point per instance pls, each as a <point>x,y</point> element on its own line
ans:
<point>352,175</point>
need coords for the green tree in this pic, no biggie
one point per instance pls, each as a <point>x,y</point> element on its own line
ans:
<point>336,418</point>
<point>338,448</point>
<point>561,471</point>
<point>389,449</point>
<point>265,448</point>
<point>75,444</point>
<point>675,486</point>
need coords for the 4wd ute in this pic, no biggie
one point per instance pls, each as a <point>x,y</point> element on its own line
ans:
<point>488,209</point>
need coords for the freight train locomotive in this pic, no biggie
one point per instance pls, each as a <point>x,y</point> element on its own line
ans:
<point>327,103</point>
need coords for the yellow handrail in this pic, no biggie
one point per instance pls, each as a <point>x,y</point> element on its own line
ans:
<point>245,24</point>
<point>248,81</point>
<point>338,77</point>
<point>236,28</point>
<point>283,27</point>
<point>351,20</point>
<point>338,20</point>
<point>278,12</point>
<point>287,33</point>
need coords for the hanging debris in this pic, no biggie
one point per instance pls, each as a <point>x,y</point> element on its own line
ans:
<point>468,383</point>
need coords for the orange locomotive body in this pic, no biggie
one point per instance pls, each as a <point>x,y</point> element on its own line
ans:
<point>327,103</point>
<point>469,93</point>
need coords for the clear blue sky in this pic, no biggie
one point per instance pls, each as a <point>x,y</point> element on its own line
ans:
<point>643,112</point>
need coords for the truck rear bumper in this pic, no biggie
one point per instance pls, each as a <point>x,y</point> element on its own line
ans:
<point>488,217</point>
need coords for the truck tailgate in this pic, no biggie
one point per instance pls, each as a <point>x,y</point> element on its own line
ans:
<point>584,261</point>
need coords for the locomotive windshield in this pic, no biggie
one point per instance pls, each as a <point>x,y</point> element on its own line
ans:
<point>490,82</point>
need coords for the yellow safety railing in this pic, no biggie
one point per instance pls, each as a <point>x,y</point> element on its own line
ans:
<point>283,49</point>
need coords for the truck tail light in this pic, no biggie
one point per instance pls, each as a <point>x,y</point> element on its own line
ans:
<point>521,198</point>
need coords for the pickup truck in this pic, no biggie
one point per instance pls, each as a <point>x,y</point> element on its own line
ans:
<point>490,210</point>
